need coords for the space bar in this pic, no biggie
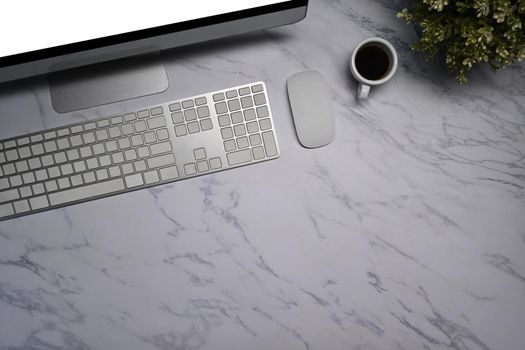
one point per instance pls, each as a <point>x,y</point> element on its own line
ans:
<point>85,192</point>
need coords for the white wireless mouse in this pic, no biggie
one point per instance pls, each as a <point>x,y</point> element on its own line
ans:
<point>311,109</point>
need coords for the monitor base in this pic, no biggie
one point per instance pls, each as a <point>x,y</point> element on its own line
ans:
<point>108,82</point>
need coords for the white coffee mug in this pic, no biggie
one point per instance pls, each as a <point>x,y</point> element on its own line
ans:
<point>373,62</point>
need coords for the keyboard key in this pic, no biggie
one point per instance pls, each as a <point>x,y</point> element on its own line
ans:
<point>157,111</point>
<point>237,117</point>
<point>252,127</point>
<point>193,127</point>
<point>227,133</point>
<point>224,120</point>
<point>234,105</point>
<point>143,114</point>
<point>75,129</point>
<point>231,94</point>
<point>258,153</point>
<point>249,114</point>
<point>262,112</point>
<point>79,166</point>
<point>202,166</point>
<point>88,177</point>
<point>134,180</point>
<point>157,122</point>
<point>114,132</point>
<point>41,175</point>
<point>160,161</point>
<point>257,88</point>
<point>247,102</point>
<point>189,169</point>
<point>98,149</point>
<point>269,143</point>
<point>79,193</point>
<point>75,140</point>
<point>229,145</point>
<point>28,178</point>
<point>206,124</point>
<point>221,108</point>
<point>140,126</point>
<point>34,163</point>
<point>36,138</point>
<point>89,138</point>
<point>190,115</point>
<point>39,202</point>
<point>239,157</point>
<point>9,195</point>
<point>86,152</point>
<point>239,130</point>
<point>114,171</point>
<point>38,188</point>
<point>143,152</point>
<point>6,210</point>
<point>199,153</point>
<point>90,126</point>
<point>169,173</point>
<point>175,107</point>
<point>203,112</point>
<point>177,117</point>
<point>10,144</point>
<point>103,123</point>
<point>63,143</point>
<point>140,166</point>
<point>37,149</point>
<point>187,104</point>
<point>151,177</point>
<point>76,180</point>
<point>111,146</point>
<point>117,157</point>
<point>136,140</point>
<point>22,166</point>
<point>201,101</point>
<point>102,135</point>
<point>22,141</point>
<point>162,147</point>
<point>215,163</point>
<point>129,117</point>
<point>60,157</point>
<point>21,206</point>
<point>64,183</point>
<point>25,191</point>
<point>124,143</point>
<point>218,97</point>
<point>24,152</point>
<point>127,169</point>
<point>15,180</point>
<point>102,174</point>
<point>149,137</point>
<point>130,155</point>
<point>127,129</point>
<point>104,160</point>
<point>265,124</point>
<point>163,134</point>
<point>244,91</point>
<point>51,186</point>
<point>242,142</point>
<point>11,155</point>
<point>50,135</point>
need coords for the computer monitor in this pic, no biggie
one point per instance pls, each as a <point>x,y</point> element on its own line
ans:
<point>50,36</point>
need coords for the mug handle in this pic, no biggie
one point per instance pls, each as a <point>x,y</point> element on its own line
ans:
<point>363,90</point>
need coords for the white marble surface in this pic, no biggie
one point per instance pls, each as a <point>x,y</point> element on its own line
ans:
<point>407,232</point>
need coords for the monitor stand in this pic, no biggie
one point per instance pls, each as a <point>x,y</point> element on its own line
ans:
<point>109,82</point>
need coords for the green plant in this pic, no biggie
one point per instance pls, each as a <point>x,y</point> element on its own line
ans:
<point>469,32</point>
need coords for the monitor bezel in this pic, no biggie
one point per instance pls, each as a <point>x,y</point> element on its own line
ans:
<point>118,39</point>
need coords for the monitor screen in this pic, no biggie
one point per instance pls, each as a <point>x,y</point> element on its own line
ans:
<point>56,23</point>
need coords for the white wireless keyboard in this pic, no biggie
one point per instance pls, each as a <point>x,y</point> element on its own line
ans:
<point>159,144</point>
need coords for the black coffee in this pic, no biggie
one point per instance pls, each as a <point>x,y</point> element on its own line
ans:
<point>372,62</point>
